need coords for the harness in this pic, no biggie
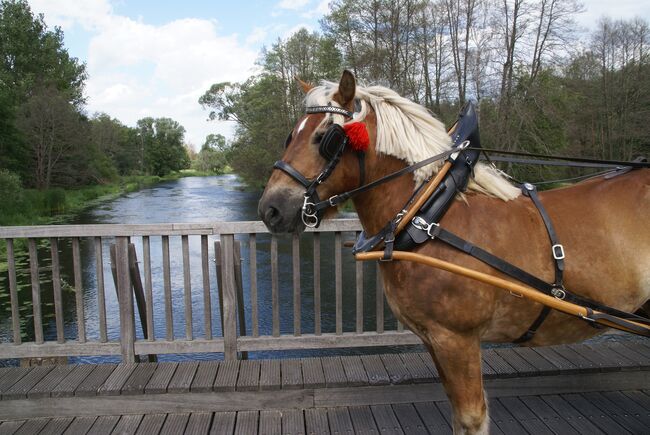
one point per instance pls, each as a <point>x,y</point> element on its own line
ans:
<point>417,223</point>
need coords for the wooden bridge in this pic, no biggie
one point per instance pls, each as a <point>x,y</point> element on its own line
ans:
<point>602,387</point>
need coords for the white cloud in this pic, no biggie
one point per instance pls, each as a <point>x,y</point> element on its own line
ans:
<point>293,5</point>
<point>137,69</point>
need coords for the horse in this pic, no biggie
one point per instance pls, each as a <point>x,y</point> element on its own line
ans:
<point>603,225</point>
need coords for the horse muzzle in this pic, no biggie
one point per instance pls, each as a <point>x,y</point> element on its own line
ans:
<point>280,210</point>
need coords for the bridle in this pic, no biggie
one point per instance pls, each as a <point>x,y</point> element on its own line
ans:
<point>331,148</point>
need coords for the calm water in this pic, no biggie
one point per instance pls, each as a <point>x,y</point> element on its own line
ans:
<point>194,199</point>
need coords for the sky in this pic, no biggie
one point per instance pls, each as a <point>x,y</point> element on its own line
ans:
<point>157,57</point>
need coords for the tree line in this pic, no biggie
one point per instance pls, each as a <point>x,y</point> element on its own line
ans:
<point>541,85</point>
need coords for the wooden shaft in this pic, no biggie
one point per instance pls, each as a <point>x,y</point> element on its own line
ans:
<point>516,289</point>
<point>423,196</point>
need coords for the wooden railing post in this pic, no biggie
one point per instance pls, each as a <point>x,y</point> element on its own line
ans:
<point>229,297</point>
<point>125,300</point>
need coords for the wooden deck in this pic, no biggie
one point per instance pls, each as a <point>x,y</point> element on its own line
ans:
<point>592,389</point>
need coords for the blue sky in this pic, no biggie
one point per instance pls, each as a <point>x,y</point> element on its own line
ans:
<point>157,57</point>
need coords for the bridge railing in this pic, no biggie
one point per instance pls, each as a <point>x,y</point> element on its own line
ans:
<point>67,266</point>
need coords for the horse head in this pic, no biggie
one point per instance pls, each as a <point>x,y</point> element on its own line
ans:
<point>319,160</point>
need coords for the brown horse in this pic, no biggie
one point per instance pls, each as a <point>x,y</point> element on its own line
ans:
<point>604,225</point>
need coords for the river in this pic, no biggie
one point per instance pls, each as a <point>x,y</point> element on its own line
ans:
<point>193,199</point>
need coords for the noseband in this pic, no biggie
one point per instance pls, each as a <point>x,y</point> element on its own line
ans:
<point>331,148</point>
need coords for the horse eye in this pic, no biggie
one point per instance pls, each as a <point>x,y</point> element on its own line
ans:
<point>288,141</point>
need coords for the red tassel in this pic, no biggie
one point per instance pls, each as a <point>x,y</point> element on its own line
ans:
<point>357,135</point>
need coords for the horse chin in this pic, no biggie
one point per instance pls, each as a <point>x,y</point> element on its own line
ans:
<point>280,210</point>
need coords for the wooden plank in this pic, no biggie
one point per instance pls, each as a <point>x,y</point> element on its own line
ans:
<point>13,292</point>
<point>295,266</point>
<point>504,419</point>
<point>101,296</point>
<point>408,418</point>
<point>312,373</point>
<point>128,424</point>
<point>333,371</point>
<point>386,420</point>
<point>375,370</point>
<point>90,384</point>
<point>498,364</point>
<point>246,422</point>
<point>338,282</point>
<point>523,367</point>
<point>562,364</point>
<point>36,292</point>
<point>175,424</point>
<point>291,371</point>
<point>543,366</point>
<point>362,420</point>
<point>114,383</point>
<point>417,368</point>
<point>379,300</point>
<point>223,423</point>
<point>151,424</point>
<point>31,427</point>
<point>293,422</point>
<point>252,269</point>
<point>249,375</point>
<point>339,419</point>
<point>80,426</point>
<point>207,301</point>
<point>56,289</point>
<point>616,413</point>
<point>397,371</point>
<point>316,421</point>
<point>524,416</point>
<point>199,423</point>
<point>270,378</point>
<point>546,414</point>
<point>161,378</point>
<point>432,418</point>
<point>187,286</point>
<point>204,377</point>
<point>359,294</point>
<point>45,386</point>
<point>56,426</point>
<point>104,425</point>
<point>167,287</point>
<point>275,287</point>
<point>570,415</point>
<point>11,376</point>
<point>270,422</point>
<point>79,291</point>
<point>226,379</point>
<point>20,389</point>
<point>137,381</point>
<point>595,415</point>
<point>125,300</point>
<point>317,300</point>
<point>73,379</point>
<point>354,370</point>
<point>183,376</point>
<point>229,297</point>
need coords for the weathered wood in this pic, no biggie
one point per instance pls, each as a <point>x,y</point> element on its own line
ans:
<point>317,301</point>
<point>101,296</point>
<point>338,283</point>
<point>252,267</point>
<point>229,297</point>
<point>56,289</point>
<point>127,320</point>
<point>275,292</point>
<point>295,260</point>
<point>36,291</point>
<point>167,286</point>
<point>13,292</point>
<point>78,290</point>
<point>187,287</point>
<point>207,300</point>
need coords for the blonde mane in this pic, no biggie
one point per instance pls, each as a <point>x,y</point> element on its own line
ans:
<point>409,132</point>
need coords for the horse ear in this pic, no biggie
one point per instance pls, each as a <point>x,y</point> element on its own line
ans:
<point>306,87</point>
<point>347,87</point>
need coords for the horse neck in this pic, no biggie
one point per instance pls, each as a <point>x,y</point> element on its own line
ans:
<point>379,205</point>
